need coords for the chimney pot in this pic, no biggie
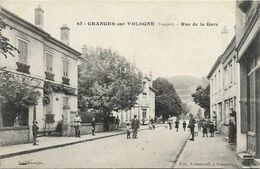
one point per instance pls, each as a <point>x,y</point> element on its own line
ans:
<point>65,34</point>
<point>224,39</point>
<point>39,16</point>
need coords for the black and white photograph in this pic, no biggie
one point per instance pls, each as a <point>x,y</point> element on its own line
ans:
<point>130,84</point>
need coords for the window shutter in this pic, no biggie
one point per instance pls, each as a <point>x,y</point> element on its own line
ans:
<point>23,48</point>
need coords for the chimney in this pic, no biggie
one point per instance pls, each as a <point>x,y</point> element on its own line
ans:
<point>84,49</point>
<point>151,75</point>
<point>39,17</point>
<point>224,39</point>
<point>65,34</point>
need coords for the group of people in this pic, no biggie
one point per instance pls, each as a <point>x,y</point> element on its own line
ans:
<point>77,123</point>
<point>170,123</point>
<point>196,125</point>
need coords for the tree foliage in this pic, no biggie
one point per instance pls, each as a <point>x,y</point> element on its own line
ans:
<point>5,47</point>
<point>16,95</point>
<point>202,98</point>
<point>107,82</point>
<point>167,101</point>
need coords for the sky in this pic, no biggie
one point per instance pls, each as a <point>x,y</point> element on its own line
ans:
<point>165,50</point>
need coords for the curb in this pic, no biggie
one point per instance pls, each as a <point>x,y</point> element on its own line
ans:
<point>179,152</point>
<point>61,145</point>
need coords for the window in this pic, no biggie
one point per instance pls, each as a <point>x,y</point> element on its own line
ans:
<point>231,72</point>
<point>144,95</point>
<point>65,68</point>
<point>23,48</point>
<point>49,62</point>
<point>144,113</point>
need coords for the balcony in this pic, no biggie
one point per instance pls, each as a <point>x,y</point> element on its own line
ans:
<point>21,67</point>
<point>65,80</point>
<point>49,76</point>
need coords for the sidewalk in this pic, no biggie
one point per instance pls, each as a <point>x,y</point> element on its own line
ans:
<point>208,152</point>
<point>54,142</point>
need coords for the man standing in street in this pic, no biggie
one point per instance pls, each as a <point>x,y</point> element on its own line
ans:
<point>35,129</point>
<point>135,126</point>
<point>77,121</point>
<point>191,126</point>
<point>117,121</point>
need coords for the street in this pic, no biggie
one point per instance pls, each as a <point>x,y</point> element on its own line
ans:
<point>154,148</point>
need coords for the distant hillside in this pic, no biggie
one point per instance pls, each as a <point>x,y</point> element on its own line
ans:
<point>186,85</point>
<point>184,82</point>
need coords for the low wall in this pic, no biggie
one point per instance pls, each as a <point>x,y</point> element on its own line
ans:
<point>14,135</point>
<point>86,128</point>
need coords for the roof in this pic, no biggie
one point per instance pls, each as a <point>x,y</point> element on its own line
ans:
<point>15,18</point>
<point>229,48</point>
<point>214,66</point>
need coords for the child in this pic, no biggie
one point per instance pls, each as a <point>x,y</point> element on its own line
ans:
<point>204,128</point>
<point>211,129</point>
<point>128,130</point>
<point>177,124</point>
<point>196,130</point>
<point>35,129</point>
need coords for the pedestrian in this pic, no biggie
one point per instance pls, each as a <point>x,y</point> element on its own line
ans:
<point>191,126</point>
<point>153,123</point>
<point>77,121</point>
<point>177,124</point>
<point>214,118</point>
<point>184,124</point>
<point>211,129</point>
<point>199,124</point>
<point>128,131</point>
<point>196,129</point>
<point>150,124</point>
<point>204,128</point>
<point>170,122</point>
<point>117,121</point>
<point>93,125</point>
<point>135,124</point>
<point>35,129</point>
<point>232,126</point>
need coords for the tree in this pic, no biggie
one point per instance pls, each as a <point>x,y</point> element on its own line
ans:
<point>167,101</point>
<point>107,82</point>
<point>16,95</point>
<point>202,98</point>
<point>5,46</point>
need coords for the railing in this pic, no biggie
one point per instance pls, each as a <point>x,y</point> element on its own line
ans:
<point>65,80</point>
<point>21,67</point>
<point>49,76</point>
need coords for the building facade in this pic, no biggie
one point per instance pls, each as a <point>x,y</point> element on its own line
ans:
<point>223,86</point>
<point>248,43</point>
<point>145,106</point>
<point>235,80</point>
<point>49,61</point>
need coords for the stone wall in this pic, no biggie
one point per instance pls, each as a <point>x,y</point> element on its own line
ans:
<point>86,128</point>
<point>14,135</point>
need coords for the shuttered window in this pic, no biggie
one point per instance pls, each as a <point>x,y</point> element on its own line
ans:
<point>23,51</point>
<point>49,62</point>
<point>65,68</point>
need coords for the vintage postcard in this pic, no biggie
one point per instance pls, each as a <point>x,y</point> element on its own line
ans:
<point>129,84</point>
